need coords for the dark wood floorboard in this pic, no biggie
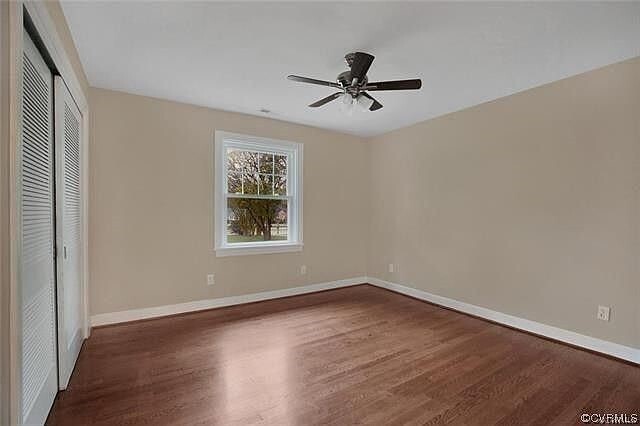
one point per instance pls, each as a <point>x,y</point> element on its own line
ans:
<point>358,355</point>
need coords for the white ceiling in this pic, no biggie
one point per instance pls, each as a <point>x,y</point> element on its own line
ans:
<point>236,56</point>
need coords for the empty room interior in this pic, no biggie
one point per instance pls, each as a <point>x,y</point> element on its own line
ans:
<point>319,213</point>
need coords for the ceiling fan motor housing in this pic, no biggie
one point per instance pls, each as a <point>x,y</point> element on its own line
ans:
<point>345,79</point>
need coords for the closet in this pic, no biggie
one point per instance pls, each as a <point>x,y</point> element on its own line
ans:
<point>50,246</point>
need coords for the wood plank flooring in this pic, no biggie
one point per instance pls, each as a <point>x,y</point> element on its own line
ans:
<point>358,355</point>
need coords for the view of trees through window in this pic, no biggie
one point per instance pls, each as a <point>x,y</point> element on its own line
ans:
<point>256,196</point>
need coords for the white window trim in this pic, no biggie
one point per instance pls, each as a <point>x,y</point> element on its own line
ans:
<point>294,149</point>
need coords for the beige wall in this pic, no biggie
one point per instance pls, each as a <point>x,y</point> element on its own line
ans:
<point>151,195</point>
<point>528,205</point>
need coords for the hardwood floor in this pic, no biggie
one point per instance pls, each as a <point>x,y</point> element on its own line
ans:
<point>358,355</point>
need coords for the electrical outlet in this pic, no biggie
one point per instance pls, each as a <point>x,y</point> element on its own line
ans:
<point>211,279</point>
<point>603,313</point>
<point>303,270</point>
<point>391,267</point>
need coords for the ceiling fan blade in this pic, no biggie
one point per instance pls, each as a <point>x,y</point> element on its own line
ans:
<point>375,105</point>
<point>326,100</point>
<point>360,66</point>
<point>313,81</point>
<point>394,85</point>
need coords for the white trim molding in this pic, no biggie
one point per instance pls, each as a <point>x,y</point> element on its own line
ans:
<point>269,249</point>
<point>5,239</point>
<point>16,25</point>
<point>202,305</point>
<point>598,345</point>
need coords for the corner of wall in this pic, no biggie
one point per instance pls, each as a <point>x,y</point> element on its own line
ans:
<point>368,205</point>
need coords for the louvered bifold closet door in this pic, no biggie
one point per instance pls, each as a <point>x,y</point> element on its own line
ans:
<point>68,191</point>
<point>37,275</point>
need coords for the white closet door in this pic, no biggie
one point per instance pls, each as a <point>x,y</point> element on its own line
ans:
<point>39,366</point>
<point>68,227</point>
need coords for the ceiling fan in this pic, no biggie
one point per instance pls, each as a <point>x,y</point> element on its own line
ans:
<point>353,84</point>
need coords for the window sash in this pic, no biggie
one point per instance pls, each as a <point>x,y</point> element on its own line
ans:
<point>260,197</point>
<point>257,146</point>
<point>290,226</point>
<point>290,162</point>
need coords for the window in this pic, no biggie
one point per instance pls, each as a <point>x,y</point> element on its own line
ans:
<point>258,202</point>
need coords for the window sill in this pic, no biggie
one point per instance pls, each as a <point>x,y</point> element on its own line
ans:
<point>241,250</point>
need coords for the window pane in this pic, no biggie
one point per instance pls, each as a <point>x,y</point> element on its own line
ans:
<point>234,160</point>
<point>234,182</point>
<point>280,185</point>
<point>242,161</point>
<point>251,220</point>
<point>250,162</point>
<point>266,184</point>
<point>266,163</point>
<point>281,165</point>
<point>250,183</point>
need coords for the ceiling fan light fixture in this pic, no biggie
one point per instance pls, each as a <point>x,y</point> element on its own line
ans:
<point>364,102</point>
<point>347,103</point>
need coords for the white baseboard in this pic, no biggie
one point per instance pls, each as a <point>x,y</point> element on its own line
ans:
<point>200,305</point>
<point>587,342</point>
